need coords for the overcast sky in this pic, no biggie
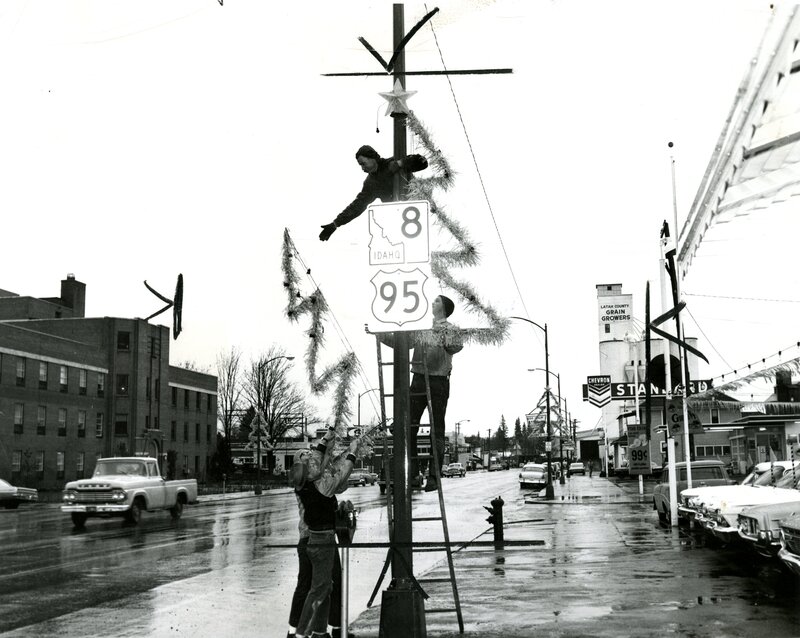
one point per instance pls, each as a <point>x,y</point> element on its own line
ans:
<point>142,139</point>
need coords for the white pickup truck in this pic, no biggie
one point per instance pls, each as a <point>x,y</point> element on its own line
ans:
<point>126,486</point>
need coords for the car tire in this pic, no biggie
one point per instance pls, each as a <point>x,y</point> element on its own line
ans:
<point>522,486</point>
<point>176,510</point>
<point>79,519</point>
<point>134,514</point>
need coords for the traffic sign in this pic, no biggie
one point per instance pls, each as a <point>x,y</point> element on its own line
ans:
<point>399,267</point>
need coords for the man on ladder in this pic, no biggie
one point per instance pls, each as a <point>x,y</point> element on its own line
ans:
<point>435,355</point>
<point>438,360</point>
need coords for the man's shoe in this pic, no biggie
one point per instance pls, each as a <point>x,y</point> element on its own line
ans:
<point>432,485</point>
<point>337,633</point>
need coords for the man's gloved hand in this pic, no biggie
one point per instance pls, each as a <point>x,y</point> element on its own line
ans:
<point>327,231</point>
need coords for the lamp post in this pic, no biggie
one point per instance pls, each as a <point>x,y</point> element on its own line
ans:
<point>549,493</point>
<point>561,427</point>
<point>458,432</point>
<point>359,402</point>
<point>258,418</point>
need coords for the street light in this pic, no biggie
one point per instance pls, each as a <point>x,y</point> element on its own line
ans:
<point>458,432</point>
<point>561,429</point>
<point>549,493</point>
<point>359,402</point>
<point>258,418</point>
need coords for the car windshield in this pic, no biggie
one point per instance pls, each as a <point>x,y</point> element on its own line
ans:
<point>533,466</point>
<point>770,476</point>
<point>116,468</point>
<point>789,480</point>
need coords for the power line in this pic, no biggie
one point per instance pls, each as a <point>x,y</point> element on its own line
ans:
<point>689,294</point>
<point>697,325</point>
<point>477,168</point>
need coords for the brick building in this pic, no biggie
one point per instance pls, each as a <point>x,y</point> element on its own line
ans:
<point>74,389</point>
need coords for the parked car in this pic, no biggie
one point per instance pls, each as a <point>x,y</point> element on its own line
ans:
<point>361,477</point>
<point>704,473</point>
<point>720,515</point>
<point>454,469</point>
<point>11,496</point>
<point>789,552</point>
<point>691,501</point>
<point>533,475</point>
<point>576,468</point>
<point>759,526</point>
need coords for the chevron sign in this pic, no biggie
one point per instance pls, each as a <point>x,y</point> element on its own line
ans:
<point>599,390</point>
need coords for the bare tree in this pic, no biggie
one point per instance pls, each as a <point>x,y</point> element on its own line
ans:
<point>267,389</point>
<point>229,402</point>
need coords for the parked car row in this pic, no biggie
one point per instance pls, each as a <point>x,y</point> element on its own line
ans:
<point>763,511</point>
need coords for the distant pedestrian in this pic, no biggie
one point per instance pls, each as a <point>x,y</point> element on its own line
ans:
<point>317,478</point>
<point>591,467</point>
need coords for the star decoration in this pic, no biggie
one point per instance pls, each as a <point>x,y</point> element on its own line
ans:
<point>397,99</point>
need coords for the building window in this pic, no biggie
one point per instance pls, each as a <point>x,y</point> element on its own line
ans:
<point>16,461</point>
<point>121,425</point>
<point>42,375</point>
<point>208,433</point>
<point>39,467</point>
<point>21,372</point>
<point>98,425</point>
<point>62,422</point>
<point>41,420</point>
<point>146,421</point>
<point>79,464</point>
<point>60,465</point>
<point>158,389</point>
<point>712,451</point>
<point>122,385</point>
<point>123,340</point>
<point>208,403</point>
<point>714,415</point>
<point>185,465</point>
<point>63,378</point>
<point>155,422</point>
<point>186,399</point>
<point>147,388</point>
<point>19,415</point>
<point>174,396</point>
<point>101,384</point>
<point>81,424</point>
<point>608,328</point>
<point>197,399</point>
<point>185,431</point>
<point>82,377</point>
<point>197,432</point>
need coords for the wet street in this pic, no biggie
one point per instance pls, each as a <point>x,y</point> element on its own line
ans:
<point>603,567</point>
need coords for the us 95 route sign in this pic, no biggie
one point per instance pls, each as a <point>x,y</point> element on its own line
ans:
<point>400,283</point>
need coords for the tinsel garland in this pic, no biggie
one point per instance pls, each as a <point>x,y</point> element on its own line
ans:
<point>466,255</point>
<point>343,370</point>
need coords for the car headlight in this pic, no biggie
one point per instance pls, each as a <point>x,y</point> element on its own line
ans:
<point>69,495</point>
<point>118,495</point>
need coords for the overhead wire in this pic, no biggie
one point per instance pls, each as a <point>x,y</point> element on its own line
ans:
<point>477,168</point>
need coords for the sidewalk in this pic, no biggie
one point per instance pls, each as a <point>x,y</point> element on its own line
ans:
<point>533,590</point>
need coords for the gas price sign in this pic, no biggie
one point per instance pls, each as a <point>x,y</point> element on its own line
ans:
<point>399,267</point>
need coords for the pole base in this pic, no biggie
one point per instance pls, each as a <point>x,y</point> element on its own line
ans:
<point>257,490</point>
<point>402,612</point>
<point>561,480</point>
<point>549,494</point>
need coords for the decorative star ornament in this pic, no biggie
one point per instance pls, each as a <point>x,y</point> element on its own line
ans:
<point>397,99</point>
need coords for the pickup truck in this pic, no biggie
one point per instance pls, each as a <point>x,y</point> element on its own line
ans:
<point>704,473</point>
<point>454,469</point>
<point>126,486</point>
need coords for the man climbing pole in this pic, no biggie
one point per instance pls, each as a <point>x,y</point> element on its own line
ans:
<point>379,184</point>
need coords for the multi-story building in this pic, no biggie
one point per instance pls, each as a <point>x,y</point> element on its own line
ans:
<point>74,389</point>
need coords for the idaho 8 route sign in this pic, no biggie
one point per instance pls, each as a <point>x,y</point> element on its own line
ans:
<point>399,267</point>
